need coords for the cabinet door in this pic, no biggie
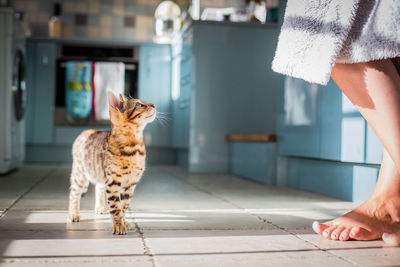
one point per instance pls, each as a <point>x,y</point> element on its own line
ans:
<point>155,87</point>
<point>181,124</point>
<point>41,91</point>
<point>299,126</point>
<point>343,129</point>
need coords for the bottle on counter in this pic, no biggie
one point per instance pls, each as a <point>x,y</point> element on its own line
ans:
<point>55,24</point>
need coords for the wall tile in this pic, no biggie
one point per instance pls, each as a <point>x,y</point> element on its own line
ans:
<point>105,33</point>
<point>31,5</point>
<point>47,7</point>
<point>212,3</point>
<point>102,16</point>
<point>68,31</point>
<point>68,19</point>
<point>39,30</point>
<point>42,17</point>
<point>105,21</point>
<point>94,6</point>
<point>117,33</point>
<point>130,7</point>
<point>118,7</point>
<point>144,28</point>
<point>82,6</point>
<point>93,32</point>
<point>93,20</point>
<point>117,22</point>
<point>81,20</point>
<point>81,31</point>
<point>105,6</point>
<point>148,2</point>
<point>69,7</point>
<point>129,34</point>
<point>129,21</point>
<point>145,10</point>
<point>20,5</point>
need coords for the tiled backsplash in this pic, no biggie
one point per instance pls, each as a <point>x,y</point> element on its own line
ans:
<point>107,19</point>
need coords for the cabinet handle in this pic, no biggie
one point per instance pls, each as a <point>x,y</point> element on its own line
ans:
<point>45,60</point>
<point>182,105</point>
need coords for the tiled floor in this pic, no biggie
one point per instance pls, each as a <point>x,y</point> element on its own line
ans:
<point>180,220</point>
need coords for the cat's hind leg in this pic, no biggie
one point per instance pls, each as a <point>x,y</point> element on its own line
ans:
<point>100,207</point>
<point>79,184</point>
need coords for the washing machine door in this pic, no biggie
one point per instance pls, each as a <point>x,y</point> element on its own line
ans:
<point>18,84</point>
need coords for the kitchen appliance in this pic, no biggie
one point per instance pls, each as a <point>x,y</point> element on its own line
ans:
<point>76,52</point>
<point>12,92</point>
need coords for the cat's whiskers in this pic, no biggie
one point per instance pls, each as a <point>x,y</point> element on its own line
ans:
<point>163,118</point>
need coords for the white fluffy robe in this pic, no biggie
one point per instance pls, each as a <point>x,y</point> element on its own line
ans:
<point>317,33</point>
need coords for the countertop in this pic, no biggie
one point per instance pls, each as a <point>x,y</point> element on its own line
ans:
<point>126,42</point>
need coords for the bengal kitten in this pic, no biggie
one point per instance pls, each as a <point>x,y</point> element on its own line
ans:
<point>113,161</point>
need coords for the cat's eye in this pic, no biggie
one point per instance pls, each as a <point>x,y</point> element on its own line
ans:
<point>140,105</point>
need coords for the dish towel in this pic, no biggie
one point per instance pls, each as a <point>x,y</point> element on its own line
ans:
<point>108,77</point>
<point>78,84</point>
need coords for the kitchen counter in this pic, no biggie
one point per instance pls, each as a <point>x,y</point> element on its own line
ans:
<point>88,41</point>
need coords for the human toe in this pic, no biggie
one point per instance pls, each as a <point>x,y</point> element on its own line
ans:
<point>328,232</point>
<point>336,233</point>
<point>344,235</point>
<point>392,239</point>
<point>319,228</point>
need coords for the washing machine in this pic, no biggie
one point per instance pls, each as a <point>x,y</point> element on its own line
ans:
<point>12,92</point>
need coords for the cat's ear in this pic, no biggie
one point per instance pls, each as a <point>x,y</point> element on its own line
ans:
<point>113,102</point>
<point>121,98</point>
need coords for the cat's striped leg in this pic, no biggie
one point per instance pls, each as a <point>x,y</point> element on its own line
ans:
<point>114,205</point>
<point>126,195</point>
<point>100,207</point>
<point>79,185</point>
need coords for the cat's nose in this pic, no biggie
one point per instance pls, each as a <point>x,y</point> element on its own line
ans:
<point>152,105</point>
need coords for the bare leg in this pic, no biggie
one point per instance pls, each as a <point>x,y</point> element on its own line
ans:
<point>374,88</point>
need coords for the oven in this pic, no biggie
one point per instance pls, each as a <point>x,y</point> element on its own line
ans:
<point>67,52</point>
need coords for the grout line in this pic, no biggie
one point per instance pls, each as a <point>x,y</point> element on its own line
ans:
<point>26,192</point>
<point>147,250</point>
<point>2,258</point>
<point>333,254</point>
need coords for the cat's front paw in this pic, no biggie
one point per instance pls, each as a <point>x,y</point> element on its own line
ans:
<point>127,225</point>
<point>100,210</point>
<point>74,217</point>
<point>119,229</point>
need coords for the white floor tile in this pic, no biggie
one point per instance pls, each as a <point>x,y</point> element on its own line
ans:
<point>298,258</point>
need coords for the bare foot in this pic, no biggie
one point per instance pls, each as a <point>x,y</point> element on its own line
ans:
<point>369,221</point>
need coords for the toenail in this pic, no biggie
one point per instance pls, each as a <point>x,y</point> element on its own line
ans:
<point>334,235</point>
<point>385,235</point>
<point>341,237</point>
<point>351,234</point>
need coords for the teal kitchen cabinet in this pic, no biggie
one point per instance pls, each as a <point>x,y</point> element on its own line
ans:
<point>325,145</point>
<point>155,87</point>
<point>181,91</point>
<point>320,122</point>
<point>41,75</point>
<point>299,126</point>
